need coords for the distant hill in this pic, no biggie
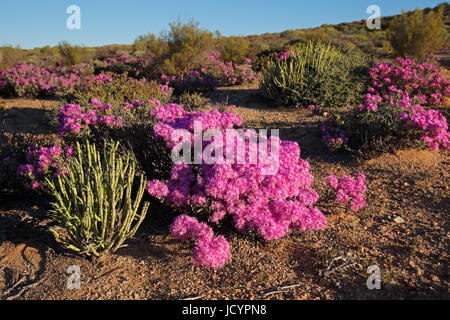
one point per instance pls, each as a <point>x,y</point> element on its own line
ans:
<point>346,34</point>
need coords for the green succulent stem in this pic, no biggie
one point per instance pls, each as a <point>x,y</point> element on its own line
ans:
<point>94,199</point>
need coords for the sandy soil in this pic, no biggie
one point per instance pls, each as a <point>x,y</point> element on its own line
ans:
<point>404,231</point>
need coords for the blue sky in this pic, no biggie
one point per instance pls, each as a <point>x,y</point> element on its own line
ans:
<point>38,23</point>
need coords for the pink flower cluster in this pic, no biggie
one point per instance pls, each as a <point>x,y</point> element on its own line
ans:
<point>349,189</point>
<point>333,137</point>
<point>133,65</point>
<point>272,205</point>
<point>173,117</point>
<point>284,55</point>
<point>81,69</point>
<point>157,188</point>
<point>98,80</point>
<point>432,125</point>
<point>407,76</point>
<point>164,87</point>
<point>229,73</point>
<point>44,161</point>
<point>33,80</point>
<point>215,72</point>
<point>210,250</point>
<point>408,86</point>
<point>72,119</point>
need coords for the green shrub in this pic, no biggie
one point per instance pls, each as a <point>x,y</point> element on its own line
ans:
<point>94,200</point>
<point>370,129</point>
<point>118,91</point>
<point>316,74</point>
<point>175,51</point>
<point>316,35</point>
<point>361,37</point>
<point>10,56</point>
<point>416,34</point>
<point>13,151</point>
<point>69,54</point>
<point>264,55</point>
<point>233,49</point>
<point>192,100</point>
<point>371,132</point>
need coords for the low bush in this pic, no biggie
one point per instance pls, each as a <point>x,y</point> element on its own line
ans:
<point>393,114</point>
<point>192,100</point>
<point>118,90</point>
<point>386,124</point>
<point>94,199</point>
<point>404,75</point>
<point>29,80</point>
<point>190,82</point>
<point>14,150</point>
<point>130,124</point>
<point>70,55</point>
<point>44,162</point>
<point>229,73</point>
<point>234,49</point>
<point>133,66</point>
<point>417,34</point>
<point>175,51</point>
<point>316,74</point>
<point>213,73</point>
<point>253,194</point>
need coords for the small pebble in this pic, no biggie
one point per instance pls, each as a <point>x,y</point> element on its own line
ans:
<point>398,220</point>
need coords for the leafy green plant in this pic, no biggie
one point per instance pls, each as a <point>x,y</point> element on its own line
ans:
<point>94,199</point>
<point>316,74</point>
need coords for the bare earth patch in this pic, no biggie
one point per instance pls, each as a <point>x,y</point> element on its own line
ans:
<point>403,231</point>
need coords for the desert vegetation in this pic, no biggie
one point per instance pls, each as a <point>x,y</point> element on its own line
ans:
<point>334,187</point>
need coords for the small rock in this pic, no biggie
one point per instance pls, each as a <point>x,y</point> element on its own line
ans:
<point>398,220</point>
